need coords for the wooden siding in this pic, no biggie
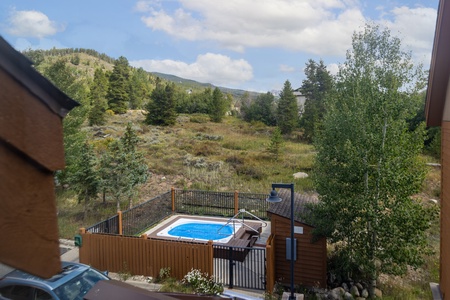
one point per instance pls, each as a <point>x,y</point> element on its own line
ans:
<point>445,212</point>
<point>29,126</point>
<point>142,256</point>
<point>28,222</point>
<point>310,267</point>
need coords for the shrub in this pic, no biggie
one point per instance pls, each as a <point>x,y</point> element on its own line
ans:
<point>202,283</point>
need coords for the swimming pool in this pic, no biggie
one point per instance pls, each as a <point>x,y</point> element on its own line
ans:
<point>200,230</point>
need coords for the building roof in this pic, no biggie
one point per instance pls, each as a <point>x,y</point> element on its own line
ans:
<point>21,69</point>
<point>439,67</point>
<point>283,208</point>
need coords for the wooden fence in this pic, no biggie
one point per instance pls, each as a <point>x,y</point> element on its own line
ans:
<point>143,256</point>
<point>270,263</point>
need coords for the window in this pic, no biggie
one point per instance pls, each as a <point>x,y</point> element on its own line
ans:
<point>16,292</point>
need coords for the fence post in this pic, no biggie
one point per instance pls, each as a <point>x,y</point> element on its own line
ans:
<point>236,202</point>
<point>173,199</point>
<point>82,230</point>
<point>119,214</point>
<point>211,257</point>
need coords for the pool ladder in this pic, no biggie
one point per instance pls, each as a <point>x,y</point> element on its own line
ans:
<point>234,220</point>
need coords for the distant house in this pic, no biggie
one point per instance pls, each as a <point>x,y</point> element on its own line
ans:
<point>301,99</point>
<point>310,268</point>
<point>31,150</point>
<point>438,114</point>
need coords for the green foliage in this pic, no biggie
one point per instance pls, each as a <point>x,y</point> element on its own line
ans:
<point>65,79</point>
<point>219,106</point>
<point>315,87</point>
<point>287,111</point>
<point>118,92</point>
<point>85,179</point>
<point>97,96</point>
<point>262,109</point>
<point>367,166</point>
<point>36,56</point>
<point>276,143</point>
<point>140,87</point>
<point>194,103</point>
<point>161,109</point>
<point>75,59</point>
<point>123,168</point>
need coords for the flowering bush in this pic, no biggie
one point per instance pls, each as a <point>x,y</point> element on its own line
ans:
<point>202,283</point>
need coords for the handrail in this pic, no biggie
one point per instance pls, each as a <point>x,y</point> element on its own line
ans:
<point>233,219</point>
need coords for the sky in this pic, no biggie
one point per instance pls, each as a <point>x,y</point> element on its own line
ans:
<point>254,45</point>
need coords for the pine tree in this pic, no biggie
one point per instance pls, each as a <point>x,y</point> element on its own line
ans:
<point>118,92</point>
<point>218,106</point>
<point>287,112</point>
<point>140,87</point>
<point>123,168</point>
<point>276,143</point>
<point>85,178</point>
<point>97,96</point>
<point>315,88</point>
<point>66,80</point>
<point>160,110</point>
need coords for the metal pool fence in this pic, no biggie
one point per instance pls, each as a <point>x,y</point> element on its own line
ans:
<point>194,202</point>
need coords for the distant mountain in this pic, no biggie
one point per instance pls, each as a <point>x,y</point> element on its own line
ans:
<point>189,83</point>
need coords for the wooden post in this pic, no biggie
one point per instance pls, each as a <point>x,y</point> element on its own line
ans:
<point>144,236</point>
<point>236,202</point>
<point>82,230</point>
<point>119,214</point>
<point>270,265</point>
<point>211,258</point>
<point>173,199</point>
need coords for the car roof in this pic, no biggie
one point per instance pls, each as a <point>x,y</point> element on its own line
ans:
<point>69,271</point>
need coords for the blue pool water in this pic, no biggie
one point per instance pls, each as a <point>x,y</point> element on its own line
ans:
<point>204,231</point>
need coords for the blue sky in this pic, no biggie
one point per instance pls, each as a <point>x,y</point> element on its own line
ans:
<point>249,44</point>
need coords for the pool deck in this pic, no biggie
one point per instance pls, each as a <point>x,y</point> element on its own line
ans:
<point>260,242</point>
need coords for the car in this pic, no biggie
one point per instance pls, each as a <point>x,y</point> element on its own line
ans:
<point>72,283</point>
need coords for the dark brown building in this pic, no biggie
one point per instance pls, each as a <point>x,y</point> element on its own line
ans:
<point>310,268</point>
<point>438,114</point>
<point>31,150</point>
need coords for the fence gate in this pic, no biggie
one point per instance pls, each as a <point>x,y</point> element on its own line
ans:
<point>243,267</point>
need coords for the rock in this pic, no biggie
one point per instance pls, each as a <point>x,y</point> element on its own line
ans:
<point>345,286</point>
<point>360,298</point>
<point>365,293</point>
<point>354,291</point>
<point>359,286</point>
<point>378,293</point>
<point>300,175</point>
<point>348,296</point>
<point>336,293</point>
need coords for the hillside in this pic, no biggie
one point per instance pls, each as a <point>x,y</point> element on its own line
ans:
<point>85,61</point>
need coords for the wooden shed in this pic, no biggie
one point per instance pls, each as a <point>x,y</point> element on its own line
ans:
<point>438,114</point>
<point>310,268</point>
<point>31,150</point>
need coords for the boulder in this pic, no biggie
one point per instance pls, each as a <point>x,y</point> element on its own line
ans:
<point>300,175</point>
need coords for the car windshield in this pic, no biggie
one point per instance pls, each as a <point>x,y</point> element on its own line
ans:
<point>77,287</point>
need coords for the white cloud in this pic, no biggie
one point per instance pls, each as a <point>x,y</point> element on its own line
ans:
<point>31,23</point>
<point>415,26</point>
<point>212,68</point>
<point>318,27</point>
<point>287,69</point>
